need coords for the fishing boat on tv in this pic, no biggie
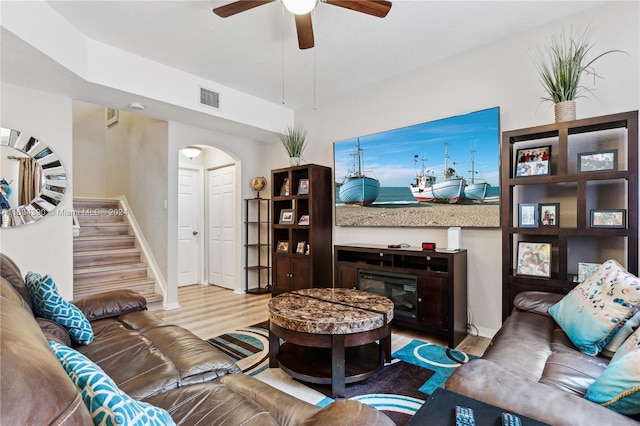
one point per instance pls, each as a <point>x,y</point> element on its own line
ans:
<point>427,188</point>
<point>476,190</point>
<point>357,188</point>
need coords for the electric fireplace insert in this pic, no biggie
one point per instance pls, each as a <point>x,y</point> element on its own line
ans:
<point>400,288</point>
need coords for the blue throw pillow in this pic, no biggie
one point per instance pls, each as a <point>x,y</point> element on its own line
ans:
<point>618,387</point>
<point>48,304</point>
<point>596,309</point>
<point>106,403</point>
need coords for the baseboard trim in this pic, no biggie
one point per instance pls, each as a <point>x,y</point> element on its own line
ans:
<point>172,306</point>
<point>487,332</point>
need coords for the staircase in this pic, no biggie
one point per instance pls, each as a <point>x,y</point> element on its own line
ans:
<point>106,255</point>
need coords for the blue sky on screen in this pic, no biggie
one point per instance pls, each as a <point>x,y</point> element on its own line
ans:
<point>391,154</point>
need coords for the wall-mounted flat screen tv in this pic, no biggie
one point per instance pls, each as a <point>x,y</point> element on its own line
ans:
<point>440,173</point>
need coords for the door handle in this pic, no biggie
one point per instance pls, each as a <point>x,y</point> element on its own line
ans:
<point>195,232</point>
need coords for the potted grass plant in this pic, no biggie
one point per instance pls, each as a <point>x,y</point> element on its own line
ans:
<point>294,141</point>
<point>560,66</point>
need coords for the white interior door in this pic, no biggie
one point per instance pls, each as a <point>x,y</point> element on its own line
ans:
<point>221,226</point>
<point>189,227</point>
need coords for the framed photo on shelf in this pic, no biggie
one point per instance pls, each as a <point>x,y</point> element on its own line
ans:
<point>300,247</point>
<point>534,259</point>
<point>286,217</point>
<point>528,215</point>
<point>303,187</point>
<point>598,161</point>
<point>585,270</point>
<point>283,247</point>
<point>304,219</point>
<point>284,190</point>
<point>533,161</point>
<point>550,215</point>
<point>611,218</point>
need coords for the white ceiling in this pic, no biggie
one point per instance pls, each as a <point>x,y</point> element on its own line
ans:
<point>247,51</point>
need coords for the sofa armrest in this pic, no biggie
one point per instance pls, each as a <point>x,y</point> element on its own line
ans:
<point>349,413</point>
<point>537,302</point>
<point>291,411</point>
<point>54,331</point>
<point>287,410</point>
<point>111,304</point>
<point>488,382</point>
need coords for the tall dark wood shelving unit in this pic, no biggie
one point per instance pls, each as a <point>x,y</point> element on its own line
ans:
<point>313,267</point>
<point>258,245</point>
<point>577,194</point>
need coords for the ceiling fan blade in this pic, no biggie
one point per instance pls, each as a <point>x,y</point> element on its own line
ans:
<point>238,6</point>
<point>378,8</point>
<point>304,28</point>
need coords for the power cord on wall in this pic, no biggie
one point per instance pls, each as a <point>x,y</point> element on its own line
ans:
<point>470,325</point>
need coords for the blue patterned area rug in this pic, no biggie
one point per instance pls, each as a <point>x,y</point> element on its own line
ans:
<point>399,388</point>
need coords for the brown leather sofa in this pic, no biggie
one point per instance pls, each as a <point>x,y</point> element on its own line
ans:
<point>150,360</point>
<point>532,368</point>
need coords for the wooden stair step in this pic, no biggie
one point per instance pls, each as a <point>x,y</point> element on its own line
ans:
<point>144,285</point>
<point>107,228</point>
<point>95,203</point>
<point>106,257</point>
<point>98,242</point>
<point>105,273</point>
<point>101,216</point>
<point>105,254</point>
<point>155,302</point>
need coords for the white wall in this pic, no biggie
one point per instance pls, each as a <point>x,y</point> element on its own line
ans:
<point>45,246</point>
<point>147,145</point>
<point>106,65</point>
<point>208,159</point>
<point>135,158</point>
<point>500,74</point>
<point>249,157</point>
<point>128,158</point>
<point>89,151</point>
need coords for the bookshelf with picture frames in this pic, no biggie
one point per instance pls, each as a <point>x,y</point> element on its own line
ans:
<point>569,201</point>
<point>301,228</point>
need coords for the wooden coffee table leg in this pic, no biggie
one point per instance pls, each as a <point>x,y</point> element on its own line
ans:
<point>337,366</point>
<point>385,342</point>
<point>274,349</point>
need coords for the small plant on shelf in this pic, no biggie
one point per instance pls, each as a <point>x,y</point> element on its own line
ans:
<point>294,141</point>
<point>560,66</point>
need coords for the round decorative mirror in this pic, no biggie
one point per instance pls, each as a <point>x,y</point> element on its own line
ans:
<point>32,179</point>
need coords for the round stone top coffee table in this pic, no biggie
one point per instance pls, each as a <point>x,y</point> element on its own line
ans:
<point>330,335</point>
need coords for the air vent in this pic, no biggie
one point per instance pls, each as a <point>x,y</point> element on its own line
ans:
<point>209,98</point>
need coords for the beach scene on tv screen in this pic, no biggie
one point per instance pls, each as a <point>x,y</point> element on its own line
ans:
<point>439,173</point>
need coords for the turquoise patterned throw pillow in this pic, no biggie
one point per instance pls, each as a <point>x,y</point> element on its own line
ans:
<point>107,404</point>
<point>595,310</point>
<point>48,304</point>
<point>618,387</point>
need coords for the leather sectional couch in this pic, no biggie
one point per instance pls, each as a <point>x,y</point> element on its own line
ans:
<point>532,368</point>
<point>151,361</point>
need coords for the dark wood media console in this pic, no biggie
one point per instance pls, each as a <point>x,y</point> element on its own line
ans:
<point>441,283</point>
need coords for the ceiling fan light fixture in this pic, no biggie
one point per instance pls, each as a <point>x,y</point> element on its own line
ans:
<point>300,7</point>
<point>191,151</point>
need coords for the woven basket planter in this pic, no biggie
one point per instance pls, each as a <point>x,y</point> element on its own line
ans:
<point>565,111</point>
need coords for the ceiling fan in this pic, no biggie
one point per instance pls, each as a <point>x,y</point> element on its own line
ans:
<point>302,11</point>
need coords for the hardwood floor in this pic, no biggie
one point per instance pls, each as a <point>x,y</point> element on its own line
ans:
<point>209,311</point>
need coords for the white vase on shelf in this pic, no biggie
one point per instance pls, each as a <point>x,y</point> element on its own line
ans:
<point>294,161</point>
